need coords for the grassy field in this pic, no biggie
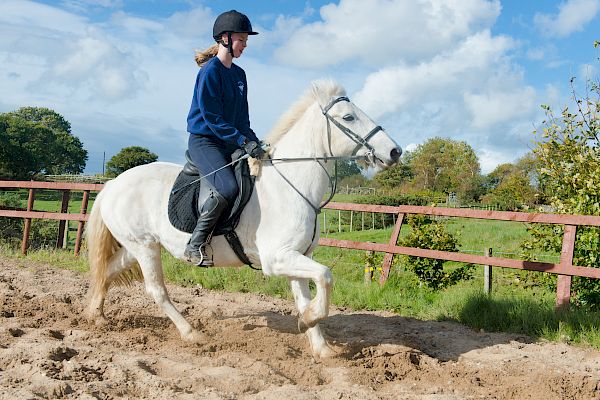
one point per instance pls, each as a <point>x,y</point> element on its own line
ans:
<point>514,305</point>
<point>50,200</point>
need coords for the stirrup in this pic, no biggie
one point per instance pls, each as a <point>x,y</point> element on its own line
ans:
<point>200,257</point>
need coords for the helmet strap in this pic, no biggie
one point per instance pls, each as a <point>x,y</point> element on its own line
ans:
<point>229,44</point>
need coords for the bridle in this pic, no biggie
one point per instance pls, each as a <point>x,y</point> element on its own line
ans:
<point>360,141</point>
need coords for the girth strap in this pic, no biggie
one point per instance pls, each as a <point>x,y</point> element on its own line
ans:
<point>234,241</point>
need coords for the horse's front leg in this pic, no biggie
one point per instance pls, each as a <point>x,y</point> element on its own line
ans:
<point>319,346</point>
<point>296,265</point>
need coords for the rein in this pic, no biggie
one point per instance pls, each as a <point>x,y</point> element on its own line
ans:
<point>245,156</point>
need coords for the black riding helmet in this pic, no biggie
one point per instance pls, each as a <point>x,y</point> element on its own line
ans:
<point>230,22</point>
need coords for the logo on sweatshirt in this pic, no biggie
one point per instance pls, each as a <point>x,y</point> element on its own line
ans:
<point>241,87</point>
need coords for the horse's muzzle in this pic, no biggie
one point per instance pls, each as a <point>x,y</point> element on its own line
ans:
<point>395,155</point>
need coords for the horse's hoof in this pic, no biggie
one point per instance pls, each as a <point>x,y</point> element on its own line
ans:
<point>195,337</point>
<point>326,351</point>
<point>303,326</point>
<point>95,318</point>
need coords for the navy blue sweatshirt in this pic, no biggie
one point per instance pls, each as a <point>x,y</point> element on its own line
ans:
<point>220,104</point>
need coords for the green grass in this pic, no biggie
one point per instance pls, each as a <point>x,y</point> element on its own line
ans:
<point>50,200</point>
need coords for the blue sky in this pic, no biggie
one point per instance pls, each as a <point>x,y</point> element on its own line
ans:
<point>122,71</point>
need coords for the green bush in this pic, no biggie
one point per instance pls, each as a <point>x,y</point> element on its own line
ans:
<point>428,233</point>
<point>11,229</point>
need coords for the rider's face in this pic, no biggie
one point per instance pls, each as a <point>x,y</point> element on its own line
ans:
<point>240,41</point>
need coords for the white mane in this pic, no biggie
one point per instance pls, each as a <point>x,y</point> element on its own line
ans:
<point>321,91</point>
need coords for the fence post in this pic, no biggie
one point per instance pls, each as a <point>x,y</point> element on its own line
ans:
<point>84,204</point>
<point>66,237</point>
<point>389,257</point>
<point>369,266</point>
<point>487,273</point>
<point>64,207</point>
<point>27,227</point>
<point>351,219</point>
<point>563,284</point>
<point>339,221</point>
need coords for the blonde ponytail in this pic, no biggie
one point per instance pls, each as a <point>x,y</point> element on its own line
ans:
<point>202,57</point>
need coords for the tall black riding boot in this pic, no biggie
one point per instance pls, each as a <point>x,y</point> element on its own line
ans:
<point>210,211</point>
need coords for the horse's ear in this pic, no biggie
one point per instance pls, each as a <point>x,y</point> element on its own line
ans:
<point>314,88</point>
<point>319,94</point>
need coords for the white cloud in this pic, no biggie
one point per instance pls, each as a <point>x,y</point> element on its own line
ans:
<point>75,57</point>
<point>572,16</point>
<point>88,6</point>
<point>380,32</point>
<point>467,66</point>
<point>536,54</point>
<point>588,72</point>
<point>493,107</point>
<point>135,25</point>
<point>16,14</point>
<point>489,159</point>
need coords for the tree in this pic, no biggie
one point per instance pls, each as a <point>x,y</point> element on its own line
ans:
<point>512,193</point>
<point>494,178</point>
<point>127,158</point>
<point>347,168</point>
<point>394,176</point>
<point>446,165</point>
<point>569,154</point>
<point>512,186</point>
<point>37,141</point>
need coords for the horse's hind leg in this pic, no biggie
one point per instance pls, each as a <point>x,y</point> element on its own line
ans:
<point>119,262</point>
<point>148,257</point>
<point>319,346</point>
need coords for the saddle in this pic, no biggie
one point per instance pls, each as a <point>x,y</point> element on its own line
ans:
<point>189,190</point>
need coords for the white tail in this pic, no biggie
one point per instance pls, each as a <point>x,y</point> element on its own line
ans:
<point>101,246</point>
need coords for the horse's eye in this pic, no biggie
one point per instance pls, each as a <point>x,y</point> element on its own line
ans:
<point>348,117</point>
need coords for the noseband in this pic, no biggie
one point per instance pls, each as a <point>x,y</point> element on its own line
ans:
<point>360,141</point>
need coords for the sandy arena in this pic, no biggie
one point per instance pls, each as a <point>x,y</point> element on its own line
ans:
<point>48,351</point>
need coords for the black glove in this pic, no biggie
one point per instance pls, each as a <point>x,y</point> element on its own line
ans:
<point>253,149</point>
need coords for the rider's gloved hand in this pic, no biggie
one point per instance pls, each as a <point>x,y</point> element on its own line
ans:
<point>253,149</point>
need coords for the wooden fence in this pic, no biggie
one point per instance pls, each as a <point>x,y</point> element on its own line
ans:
<point>565,268</point>
<point>61,216</point>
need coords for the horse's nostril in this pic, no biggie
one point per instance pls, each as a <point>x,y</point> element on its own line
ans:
<point>395,154</point>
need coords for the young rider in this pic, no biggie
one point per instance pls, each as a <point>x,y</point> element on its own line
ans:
<point>219,124</point>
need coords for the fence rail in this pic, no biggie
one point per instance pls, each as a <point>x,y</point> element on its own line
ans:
<point>564,268</point>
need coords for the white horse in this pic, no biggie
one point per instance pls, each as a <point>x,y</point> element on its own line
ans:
<point>278,228</point>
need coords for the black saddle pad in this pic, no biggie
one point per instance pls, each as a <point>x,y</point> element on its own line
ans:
<point>183,201</point>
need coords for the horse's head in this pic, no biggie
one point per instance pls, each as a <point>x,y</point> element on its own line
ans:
<point>350,132</point>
